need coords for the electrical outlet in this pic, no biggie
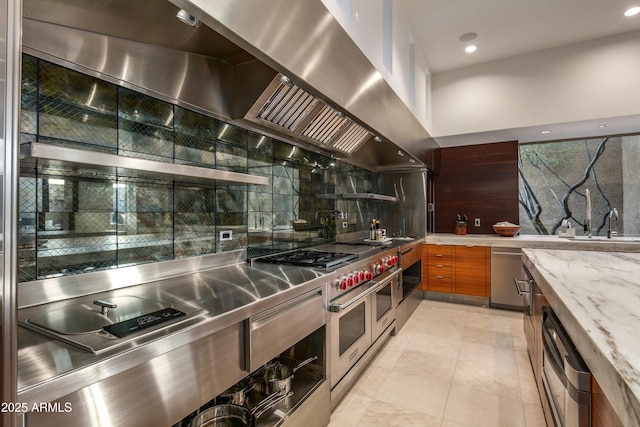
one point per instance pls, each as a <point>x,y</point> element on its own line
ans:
<point>477,222</point>
<point>344,224</point>
<point>226,235</point>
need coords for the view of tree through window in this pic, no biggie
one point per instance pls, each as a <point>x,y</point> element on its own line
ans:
<point>554,177</point>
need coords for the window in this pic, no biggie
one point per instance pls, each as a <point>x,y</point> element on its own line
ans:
<point>554,177</point>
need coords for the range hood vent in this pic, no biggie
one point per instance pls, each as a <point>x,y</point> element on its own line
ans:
<point>292,109</point>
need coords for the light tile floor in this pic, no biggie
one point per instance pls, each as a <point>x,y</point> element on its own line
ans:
<point>451,365</point>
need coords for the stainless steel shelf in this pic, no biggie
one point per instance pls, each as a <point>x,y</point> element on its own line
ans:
<point>365,196</point>
<point>137,167</point>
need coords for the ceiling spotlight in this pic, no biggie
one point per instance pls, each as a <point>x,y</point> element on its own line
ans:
<point>340,114</point>
<point>187,18</point>
<point>545,131</point>
<point>471,48</point>
<point>465,38</point>
<point>633,11</point>
<point>411,161</point>
<point>377,138</point>
<point>400,153</point>
<point>286,81</point>
<point>606,125</point>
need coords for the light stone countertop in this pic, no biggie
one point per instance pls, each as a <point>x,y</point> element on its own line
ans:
<point>597,243</point>
<point>596,296</point>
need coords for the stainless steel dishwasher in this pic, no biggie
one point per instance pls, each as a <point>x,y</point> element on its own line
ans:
<point>506,265</point>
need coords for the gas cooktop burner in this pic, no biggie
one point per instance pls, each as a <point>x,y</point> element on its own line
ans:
<point>309,258</point>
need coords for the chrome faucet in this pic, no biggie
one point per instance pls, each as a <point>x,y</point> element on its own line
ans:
<point>613,232</point>
<point>587,219</point>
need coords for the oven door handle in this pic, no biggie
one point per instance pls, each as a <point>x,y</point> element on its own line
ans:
<point>337,308</point>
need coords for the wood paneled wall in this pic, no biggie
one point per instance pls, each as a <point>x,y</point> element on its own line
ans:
<point>480,181</point>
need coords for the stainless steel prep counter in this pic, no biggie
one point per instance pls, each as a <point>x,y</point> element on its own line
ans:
<point>219,299</point>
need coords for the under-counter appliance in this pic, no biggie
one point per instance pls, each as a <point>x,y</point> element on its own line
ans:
<point>362,300</point>
<point>566,378</point>
<point>411,277</point>
<point>506,263</point>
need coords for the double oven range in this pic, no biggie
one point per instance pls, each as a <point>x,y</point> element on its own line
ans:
<point>363,290</point>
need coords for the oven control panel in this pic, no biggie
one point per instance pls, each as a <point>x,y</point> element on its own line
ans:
<point>363,271</point>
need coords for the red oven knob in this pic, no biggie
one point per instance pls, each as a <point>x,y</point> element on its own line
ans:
<point>395,259</point>
<point>378,268</point>
<point>350,281</point>
<point>356,278</point>
<point>341,284</point>
<point>363,275</point>
<point>368,275</point>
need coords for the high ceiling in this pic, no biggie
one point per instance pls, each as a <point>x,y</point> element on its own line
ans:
<point>510,27</point>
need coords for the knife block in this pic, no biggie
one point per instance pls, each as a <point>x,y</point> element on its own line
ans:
<point>461,228</point>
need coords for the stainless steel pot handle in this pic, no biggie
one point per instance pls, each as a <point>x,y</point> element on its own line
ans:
<point>269,402</point>
<point>520,291</point>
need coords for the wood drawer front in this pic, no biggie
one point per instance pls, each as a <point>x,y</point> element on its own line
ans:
<point>439,283</point>
<point>439,270</point>
<point>464,253</point>
<point>439,251</point>
<point>470,277</point>
<point>443,262</point>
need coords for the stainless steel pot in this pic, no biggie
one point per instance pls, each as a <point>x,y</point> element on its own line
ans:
<point>278,377</point>
<point>230,415</point>
<point>237,394</point>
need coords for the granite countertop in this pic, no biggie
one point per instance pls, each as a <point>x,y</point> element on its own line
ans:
<point>617,244</point>
<point>596,296</point>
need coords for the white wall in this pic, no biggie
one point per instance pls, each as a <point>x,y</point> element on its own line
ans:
<point>584,81</point>
<point>363,23</point>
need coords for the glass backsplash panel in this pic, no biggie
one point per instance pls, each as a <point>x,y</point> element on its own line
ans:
<point>74,220</point>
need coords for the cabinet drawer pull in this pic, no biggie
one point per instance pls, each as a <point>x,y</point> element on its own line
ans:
<point>439,265</point>
<point>439,277</point>
<point>438,255</point>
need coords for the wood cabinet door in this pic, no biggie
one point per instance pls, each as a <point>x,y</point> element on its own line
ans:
<point>470,271</point>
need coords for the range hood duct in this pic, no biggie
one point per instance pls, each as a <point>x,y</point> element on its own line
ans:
<point>210,69</point>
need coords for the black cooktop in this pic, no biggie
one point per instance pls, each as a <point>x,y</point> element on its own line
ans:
<point>309,258</point>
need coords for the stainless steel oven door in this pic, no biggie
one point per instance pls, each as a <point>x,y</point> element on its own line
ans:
<point>384,302</point>
<point>349,323</point>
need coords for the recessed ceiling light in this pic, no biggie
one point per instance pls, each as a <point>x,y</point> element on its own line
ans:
<point>545,131</point>
<point>465,38</point>
<point>471,48</point>
<point>606,125</point>
<point>633,11</point>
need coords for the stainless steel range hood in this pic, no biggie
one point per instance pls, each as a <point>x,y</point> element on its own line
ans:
<point>217,70</point>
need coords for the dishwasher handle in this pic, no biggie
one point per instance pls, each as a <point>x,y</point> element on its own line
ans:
<point>522,291</point>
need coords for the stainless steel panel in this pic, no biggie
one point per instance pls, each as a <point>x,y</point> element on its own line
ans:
<point>310,35</point>
<point>62,288</point>
<point>282,326</point>
<point>407,217</point>
<point>194,81</point>
<point>159,392</point>
<point>338,392</point>
<point>315,411</point>
<point>52,154</point>
<point>506,265</point>
<point>406,308</point>
<point>10,42</point>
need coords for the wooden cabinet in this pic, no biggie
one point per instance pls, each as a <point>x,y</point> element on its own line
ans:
<point>602,414</point>
<point>464,270</point>
<point>472,270</point>
<point>437,268</point>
